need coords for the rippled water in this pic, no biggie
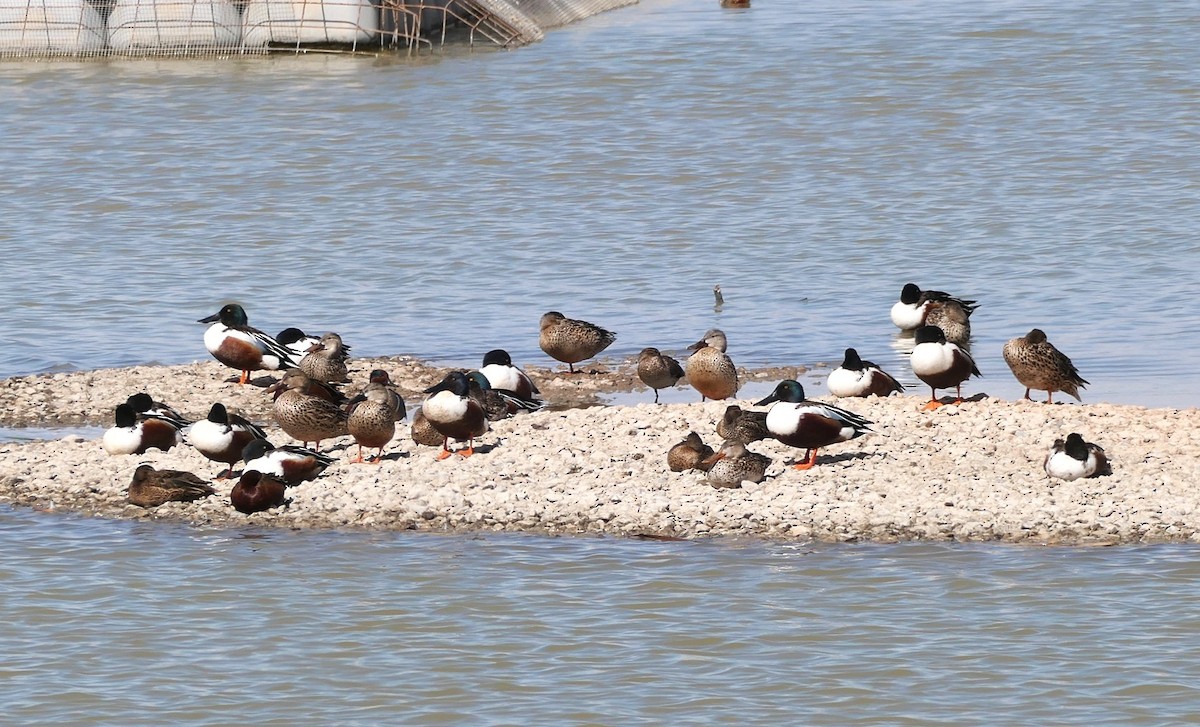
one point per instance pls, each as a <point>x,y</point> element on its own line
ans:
<point>140,623</point>
<point>809,159</point>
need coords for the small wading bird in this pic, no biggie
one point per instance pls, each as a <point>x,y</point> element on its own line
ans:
<point>232,341</point>
<point>940,364</point>
<point>1075,458</point>
<point>1037,364</point>
<point>571,341</point>
<point>657,370</point>
<point>798,422</point>
<point>858,378</point>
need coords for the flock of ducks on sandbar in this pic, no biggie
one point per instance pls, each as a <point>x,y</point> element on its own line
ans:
<point>309,406</point>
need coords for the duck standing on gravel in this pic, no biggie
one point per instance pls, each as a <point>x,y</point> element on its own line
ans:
<point>304,415</point>
<point>733,464</point>
<point>709,369</point>
<point>1075,458</point>
<point>454,414</point>
<point>257,492</point>
<point>858,378</point>
<point>501,374</point>
<point>1037,364</point>
<point>326,361</point>
<point>571,341</point>
<point>918,307</point>
<point>290,463</point>
<point>371,419</point>
<point>151,488</point>
<point>134,433</point>
<point>232,341</point>
<point>222,436</point>
<point>798,422</point>
<point>658,370</point>
<point>940,364</point>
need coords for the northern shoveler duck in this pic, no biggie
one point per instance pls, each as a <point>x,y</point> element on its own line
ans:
<point>257,492</point>
<point>290,463</point>
<point>690,454</point>
<point>232,341</point>
<point>743,425</point>
<point>451,410</point>
<point>222,436</point>
<point>134,433</point>
<point>710,370</point>
<point>143,403</point>
<point>798,422</point>
<point>422,431</point>
<point>1075,458</point>
<point>658,370</point>
<point>298,342</point>
<point>326,361</point>
<point>151,488</point>
<point>915,307</point>
<point>1037,364</point>
<point>303,414</point>
<point>733,464</point>
<point>497,403</point>
<point>856,377</point>
<point>571,341</point>
<point>379,376</point>
<point>371,419</point>
<point>940,364</point>
<point>501,374</point>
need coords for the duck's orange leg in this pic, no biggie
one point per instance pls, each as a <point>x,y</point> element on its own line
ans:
<point>378,457</point>
<point>470,450</point>
<point>245,377</point>
<point>359,458</point>
<point>810,459</point>
<point>445,449</point>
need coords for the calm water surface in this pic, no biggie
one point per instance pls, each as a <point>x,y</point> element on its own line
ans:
<point>142,623</point>
<point>810,159</point>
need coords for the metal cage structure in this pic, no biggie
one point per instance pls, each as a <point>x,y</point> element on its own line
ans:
<point>132,28</point>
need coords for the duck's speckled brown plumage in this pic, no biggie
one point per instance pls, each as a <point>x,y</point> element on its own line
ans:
<point>371,418</point>
<point>423,432</point>
<point>709,370</point>
<point>256,492</point>
<point>151,488</point>
<point>952,318</point>
<point>657,370</point>
<point>302,415</point>
<point>743,425</point>
<point>689,454</point>
<point>733,464</point>
<point>571,341</point>
<point>327,360</point>
<point>1037,364</point>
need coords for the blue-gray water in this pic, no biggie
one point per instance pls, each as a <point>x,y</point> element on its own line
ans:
<point>142,623</point>
<point>809,157</point>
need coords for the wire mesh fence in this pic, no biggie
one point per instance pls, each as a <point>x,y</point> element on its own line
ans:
<point>82,28</point>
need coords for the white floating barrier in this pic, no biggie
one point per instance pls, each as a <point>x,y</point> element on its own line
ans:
<point>309,21</point>
<point>50,27</point>
<point>190,25</point>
